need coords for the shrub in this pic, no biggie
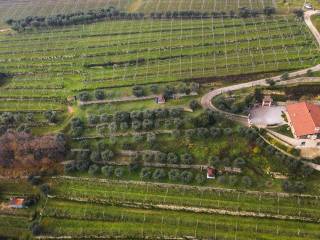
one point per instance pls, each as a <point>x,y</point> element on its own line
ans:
<point>107,171</point>
<point>227,131</point>
<point>69,168</point>
<point>233,180</point>
<point>93,119</point>
<point>174,175</point>
<point>138,91</point>
<point>95,156</point>
<point>186,158</point>
<point>178,123</point>
<point>124,126</point>
<point>175,112</point>
<point>202,132</point>
<point>285,76</point>
<point>94,170</point>
<point>268,11</point>
<point>194,105</point>
<point>107,155</point>
<point>100,94</point>
<point>271,82</point>
<point>145,173</point>
<point>239,162</point>
<point>136,115</point>
<point>309,73</point>
<point>186,176</point>
<point>147,124</point>
<point>84,96</point>
<point>154,88</point>
<point>136,125</point>
<point>176,133</point>
<point>151,138</point>
<point>246,181</point>
<point>222,179</point>
<point>45,189</point>
<point>289,186</point>
<point>200,178</point>
<point>148,114</point>
<point>118,172</point>
<point>133,166</point>
<point>51,116</point>
<point>158,174</point>
<point>147,156</point>
<point>172,158</point>
<point>160,157</point>
<point>138,138</point>
<point>215,132</point>
<point>299,13</point>
<point>113,127</point>
<point>82,165</point>
<point>190,133</point>
<point>35,228</point>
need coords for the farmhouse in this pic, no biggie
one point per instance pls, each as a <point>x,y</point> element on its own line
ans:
<point>304,120</point>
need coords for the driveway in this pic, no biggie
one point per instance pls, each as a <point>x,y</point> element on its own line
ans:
<point>267,116</point>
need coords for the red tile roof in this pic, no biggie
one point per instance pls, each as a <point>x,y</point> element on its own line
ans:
<point>304,117</point>
<point>17,201</point>
<point>211,171</point>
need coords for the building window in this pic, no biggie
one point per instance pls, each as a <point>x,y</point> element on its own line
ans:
<point>303,143</point>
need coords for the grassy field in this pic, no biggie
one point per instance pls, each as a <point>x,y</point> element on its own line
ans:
<point>109,209</point>
<point>123,221</point>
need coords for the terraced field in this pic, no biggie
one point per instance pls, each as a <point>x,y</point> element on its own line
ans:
<point>146,210</point>
<point>49,66</point>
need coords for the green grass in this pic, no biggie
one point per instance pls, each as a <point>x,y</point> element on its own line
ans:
<point>285,129</point>
<point>76,219</point>
<point>118,193</point>
<point>14,226</point>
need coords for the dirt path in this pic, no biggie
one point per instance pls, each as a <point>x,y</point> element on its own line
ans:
<point>5,30</point>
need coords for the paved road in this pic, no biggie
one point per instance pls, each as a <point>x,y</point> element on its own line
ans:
<point>206,100</point>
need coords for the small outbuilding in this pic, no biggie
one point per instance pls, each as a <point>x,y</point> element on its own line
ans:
<point>17,202</point>
<point>308,6</point>
<point>211,173</point>
<point>160,99</point>
<point>267,101</point>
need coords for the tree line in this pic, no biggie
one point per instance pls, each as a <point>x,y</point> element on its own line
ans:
<point>243,12</point>
<point>111,13</point>
<point>80,17</point>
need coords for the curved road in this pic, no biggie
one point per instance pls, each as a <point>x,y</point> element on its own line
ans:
<point>206,100</point>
